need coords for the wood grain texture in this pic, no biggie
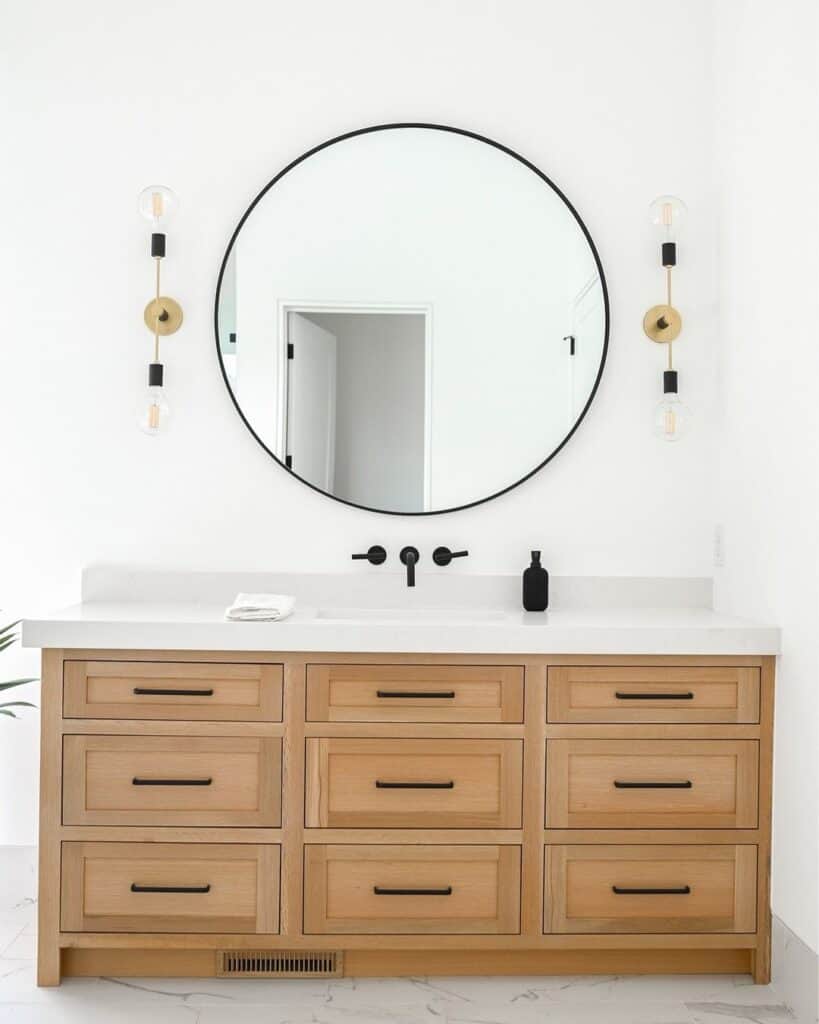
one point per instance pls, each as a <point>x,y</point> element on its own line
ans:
<point>157,727</point>
<point>195,691</point>
<point>582,883</point>
<point>685,695</point>
<point>410,730</point>
<point>761,963</point>
<point>293,790</point>
<point>191,940</point>
<point>388,890</point>
<point>581,776</point>
<point>534,774</point>
<point>655,731</point>
<point>139,963</point>
<point>521,835</point>
<point>201,963</point>
<point>659,837</point>
<point>244,774</point>
<point>359,658</point>
<point>565,962</point>
<point>484,779</point>
<point>51,784</point>
<point>434,693</point>
<point>242,885</point>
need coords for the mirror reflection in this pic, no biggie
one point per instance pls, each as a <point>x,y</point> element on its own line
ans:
<point>411,319</point>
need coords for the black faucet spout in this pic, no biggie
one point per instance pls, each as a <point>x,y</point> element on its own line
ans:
<point>409,557</point>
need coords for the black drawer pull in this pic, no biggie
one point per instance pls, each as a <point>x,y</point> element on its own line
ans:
<point>620,890</point>
<point>170,888</point>
<point>414,785</point>
<point>413,694</point>
<point>686,784</point>
<point>654,696</point>
<point>380,891</point>
<point>171,782</point>
<point>150,691</point>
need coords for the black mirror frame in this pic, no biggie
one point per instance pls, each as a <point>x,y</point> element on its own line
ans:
<point>488,142</point>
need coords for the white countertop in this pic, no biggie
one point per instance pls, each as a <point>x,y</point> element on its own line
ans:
<point>464,615</point>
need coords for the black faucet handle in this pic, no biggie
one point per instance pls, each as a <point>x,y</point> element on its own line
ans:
<point>409,557</point>
<point>443,556</point>
<point>375,556</point>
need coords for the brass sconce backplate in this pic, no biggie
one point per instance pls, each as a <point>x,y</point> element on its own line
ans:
<point>163,316</point>
<point>662,324</point>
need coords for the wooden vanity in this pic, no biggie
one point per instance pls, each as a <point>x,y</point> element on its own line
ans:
<point>276,814</point>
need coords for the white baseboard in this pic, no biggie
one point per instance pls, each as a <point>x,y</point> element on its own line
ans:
<point>795,969</point>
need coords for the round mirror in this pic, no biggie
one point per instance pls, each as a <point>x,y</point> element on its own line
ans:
<point>411,318</point>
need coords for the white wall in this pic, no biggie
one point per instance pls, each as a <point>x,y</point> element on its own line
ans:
<point>768,181</point>
<point>97,107</point>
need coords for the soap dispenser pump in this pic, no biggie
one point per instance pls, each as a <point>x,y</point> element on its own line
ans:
<point>535,586</point>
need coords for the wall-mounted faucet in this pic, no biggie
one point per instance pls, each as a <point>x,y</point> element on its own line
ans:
<point>376,555</point>
<point>443,556</point>
<point>409,556</point>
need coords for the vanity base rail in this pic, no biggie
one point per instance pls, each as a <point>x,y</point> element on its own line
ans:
<point>208,963</point>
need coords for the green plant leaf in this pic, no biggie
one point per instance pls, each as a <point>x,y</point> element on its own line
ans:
<point>7,638</point>
<point>15,682</point>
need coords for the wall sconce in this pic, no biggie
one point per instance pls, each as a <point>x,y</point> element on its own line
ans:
<point>663,323</point>
<point>163,315</point>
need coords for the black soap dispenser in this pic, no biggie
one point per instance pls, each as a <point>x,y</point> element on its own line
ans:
<point>535,586</point>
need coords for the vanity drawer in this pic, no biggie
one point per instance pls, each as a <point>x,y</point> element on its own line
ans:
<point>628,693</point>
<point>651,783</point>
<point>191,691</point>
<point>414,693</point>
<point>412,890</point>
<point>169,887</point>
<point>401,783</point>
<point>650,889</point>
<point>171,780</point>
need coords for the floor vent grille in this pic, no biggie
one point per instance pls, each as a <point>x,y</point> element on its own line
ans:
<point>277,963</point>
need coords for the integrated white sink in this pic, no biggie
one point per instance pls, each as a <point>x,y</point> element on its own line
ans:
<point>411,614</point>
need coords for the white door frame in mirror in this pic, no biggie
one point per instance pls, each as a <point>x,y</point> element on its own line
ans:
<point>288,306</point>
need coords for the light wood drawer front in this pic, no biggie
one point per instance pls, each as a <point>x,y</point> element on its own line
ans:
<point>190,691</point>
<point>650,889</point>
<point>123,887</point>
<point>651,783</point>
<point>653,694</point>
<point>388,890</point>
<point>171,780</point>
<point>414,693</point>
<point>400,783</point>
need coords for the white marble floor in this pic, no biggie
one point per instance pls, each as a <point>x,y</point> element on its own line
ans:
<point>598,1000</point>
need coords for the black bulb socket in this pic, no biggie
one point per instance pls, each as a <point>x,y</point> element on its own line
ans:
<point>669,382</point>
<point>157,244</point>
<point>156,375</point>
<point>669,254</point>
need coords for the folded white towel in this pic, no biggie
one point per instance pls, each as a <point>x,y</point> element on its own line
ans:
<point>260,607</point>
